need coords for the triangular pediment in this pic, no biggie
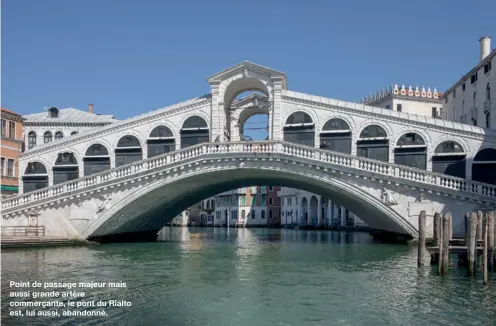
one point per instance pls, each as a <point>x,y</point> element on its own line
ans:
<point>249,66</point>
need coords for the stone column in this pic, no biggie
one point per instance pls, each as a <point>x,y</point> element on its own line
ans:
<point>216,113</point>
<point>276,111</point>
<point>319,211</point>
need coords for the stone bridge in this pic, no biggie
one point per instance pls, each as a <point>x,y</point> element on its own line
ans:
<point>385,165</point>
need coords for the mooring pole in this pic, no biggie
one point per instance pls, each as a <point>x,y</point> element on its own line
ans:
<point>436,228</point>
<point>484,255</point>
<point>421,239</point>
<point>480,225</point>
<point>471,243</point>
<point>446,240</point>
<point>490,239</point>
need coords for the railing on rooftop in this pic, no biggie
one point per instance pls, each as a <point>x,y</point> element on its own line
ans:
<point>184,156</point>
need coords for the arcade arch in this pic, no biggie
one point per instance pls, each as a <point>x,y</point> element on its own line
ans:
<point>66,168</point>
<point>194,131</point>
<point>299,128</point>
<point>484,166</point>
<point>449,158</point>
<point>35,177</point>
<point>411,150</point>
<point>96,159</point>
<point>160,141</point>
<point>128,150</point>
<point>373,143</point>
<point>336,136</point>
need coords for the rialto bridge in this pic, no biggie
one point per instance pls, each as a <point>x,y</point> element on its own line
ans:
<point>128,176</point>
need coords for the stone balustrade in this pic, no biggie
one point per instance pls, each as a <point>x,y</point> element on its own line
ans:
<point>318,157</point>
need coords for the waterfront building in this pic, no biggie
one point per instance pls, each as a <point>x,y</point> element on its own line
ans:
<point>242,207</point>
<point>55,124</point>
<point>11,148</point>
<point>273,206</point>
<point>414,100</point>
<point>207,212</point>
<point>302,208</point>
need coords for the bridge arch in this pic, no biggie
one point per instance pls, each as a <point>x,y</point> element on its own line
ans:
<point>65,168</point>
<point>450,158</point>
<point>160,140</point>
<point>336,135</point>
<point>247,81</point>
<point>35,177</point>
<point>484,165</point>
<point>411,150</point>
<point>299,128</point>
<point>140,210</point>
<point>129,149</point>
<point>194,130</point>
<point>373,142</point>
<point>96,159</point>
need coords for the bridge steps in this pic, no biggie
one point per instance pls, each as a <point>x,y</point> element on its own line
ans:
<point>41,241</point>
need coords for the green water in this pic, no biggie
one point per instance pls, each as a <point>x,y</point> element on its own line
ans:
<point>256,277</point>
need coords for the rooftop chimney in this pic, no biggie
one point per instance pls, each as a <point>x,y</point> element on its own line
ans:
<point>90,108</point>
<point>485,47</point>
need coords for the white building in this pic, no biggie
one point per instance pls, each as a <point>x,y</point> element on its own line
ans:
<point>53,124</point>
<point>242,207</point>
<point>470,100</point>
<point>299,207</point>
<point>416,100</point>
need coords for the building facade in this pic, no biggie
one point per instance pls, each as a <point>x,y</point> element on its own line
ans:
<point>242,207</point>
<point>302,208</point>
<point>421,101</point>
<point>55,124</point>
<point>273,206</point>
<point>11,148</point>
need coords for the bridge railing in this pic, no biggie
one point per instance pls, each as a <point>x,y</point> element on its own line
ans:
<point>16,231</point>
<point>267,147</point>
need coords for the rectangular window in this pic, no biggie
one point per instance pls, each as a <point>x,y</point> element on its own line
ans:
<point>463,86</point>
<point>434,112</point>
<point>270,188</point>
<point>264,199</point>
<point>3,165</point>
<point>270,200</point>
<point>454,93</point>
<point>270,213</point>
<point>473,78</point>
<point>441,113</point>
<point>388,107</point>
<point>253,200</point>
<point>12,130</point>
<point>10,167</point>
<point>243,200</point>
<point>4,127</point>
<point>399,107</point>
<point>487,67</point>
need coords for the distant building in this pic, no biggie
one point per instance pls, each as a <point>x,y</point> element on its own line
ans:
<point>242,207</point>
<point>413,100</point>
<point>470,99</point>
<point>11,148</point>
<point>299,207</point>
<point>273,206</point>
<point>54,124</point>
<point>207,212</point>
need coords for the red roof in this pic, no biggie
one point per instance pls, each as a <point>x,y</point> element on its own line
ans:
<point>11,112</point>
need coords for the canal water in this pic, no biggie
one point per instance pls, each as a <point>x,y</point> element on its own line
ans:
<point>255,277</point>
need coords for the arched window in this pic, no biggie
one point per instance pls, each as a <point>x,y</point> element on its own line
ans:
<point>74,133</point>
<point>96,159</point>
<point>336,136</point>
<point>128,150</point>
<point>449,158</point>
<point>59,135</point>
<point>488,92</point>
<point>484,165</point>
<point>53,112</point>
<point>47,137</point>
<point>373,143</point>
<point>31,139</point>
<point>243,214</point>
<point>253,214</point>
<point>194,131</point>
<point>35,177</point>
<point>488,119</point>
<point>161,141</point>
<point>263,215</point>
<point>411,151</point>
<point>66,168</point>
<point>300,129</point>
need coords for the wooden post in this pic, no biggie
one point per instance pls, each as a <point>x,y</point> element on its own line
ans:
<point>471,243</point>
<point>445,253</point>
<point>450,227</point>
<point>421,239</point>
<point>484,255</point>
<point>467,215</point>
<point>480,225</point>
<point>490,239</point>
<point>437,229</point>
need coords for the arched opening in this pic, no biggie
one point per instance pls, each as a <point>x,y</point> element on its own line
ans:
<point>160,141</point>
<point>53,112</point>
<point>59,135</point>
<point>47,137</point>
<point>487,106</point>
<point>324,212</point>
<point>336,136</point>
<point>252,109</point>
<point>66,168</point>
<point>314,204</point>
<point>96,159</point>
<point>74,133</point>
<point>35,177</point>
<point>411,150</point>
<point>373,143</point>
<point>449,158</point>
<point>128,150</point>
<point>194,131</point>
<point>300,129</point>
<point>31,139</point>
<point>484,166</point>
<point>304,211</point>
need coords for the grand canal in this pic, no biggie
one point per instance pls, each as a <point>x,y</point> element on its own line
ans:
<point>256,277</point>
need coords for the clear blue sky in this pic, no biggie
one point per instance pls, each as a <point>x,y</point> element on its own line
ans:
<point>128,57</point>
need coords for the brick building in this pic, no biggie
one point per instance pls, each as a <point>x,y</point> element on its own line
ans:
<point>11,148</point>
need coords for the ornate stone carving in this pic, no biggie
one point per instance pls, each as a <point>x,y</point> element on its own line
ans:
<point>420,198</point>
<point>388,198</point>
<point>105,200</point>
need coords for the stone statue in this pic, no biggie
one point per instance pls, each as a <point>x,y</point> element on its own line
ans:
<point>106,199</point>
<point>387,197</point>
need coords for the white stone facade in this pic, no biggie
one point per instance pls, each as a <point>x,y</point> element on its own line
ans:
<point>300,207</point>
<point>472,99</point>
<point>243,207</point>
